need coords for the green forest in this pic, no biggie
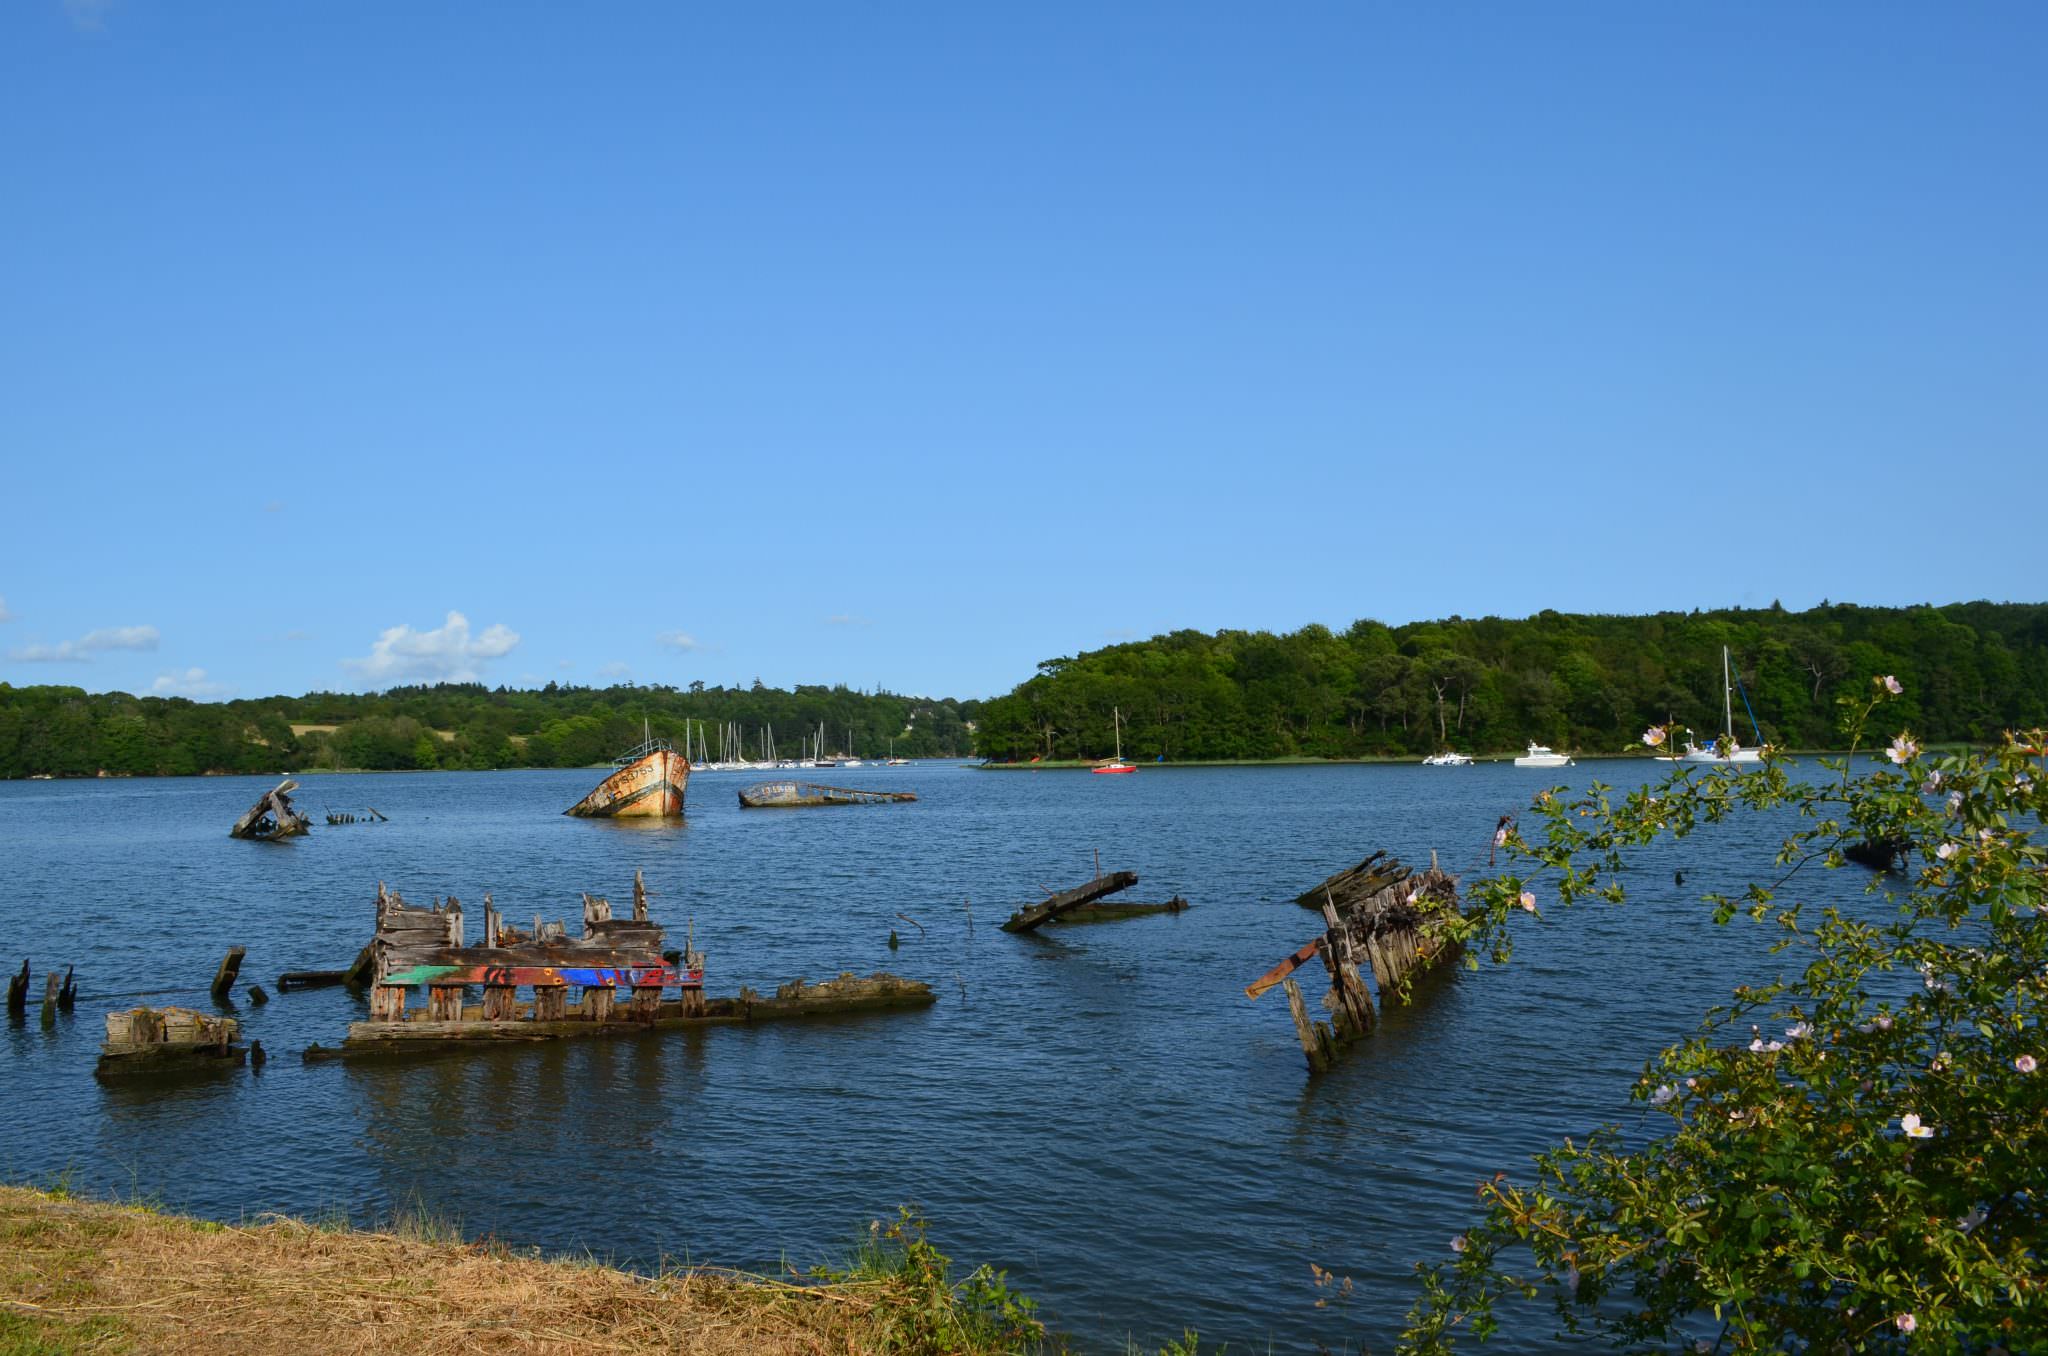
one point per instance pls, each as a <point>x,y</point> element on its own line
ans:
<point>1589,684</point>
<point>67,732</point>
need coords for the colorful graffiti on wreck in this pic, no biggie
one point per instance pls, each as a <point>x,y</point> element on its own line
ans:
<point>589,977</point>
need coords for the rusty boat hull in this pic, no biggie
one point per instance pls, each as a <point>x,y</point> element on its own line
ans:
<point>648,784</point>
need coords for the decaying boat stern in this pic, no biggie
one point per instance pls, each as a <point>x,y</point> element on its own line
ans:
<point>648,784</point>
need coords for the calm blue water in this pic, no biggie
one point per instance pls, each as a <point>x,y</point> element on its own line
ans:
<point>1099,1110</point>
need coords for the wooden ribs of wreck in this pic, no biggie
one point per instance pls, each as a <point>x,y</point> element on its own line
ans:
<point>803,795</point>
<point>1377,914</point>
<point>1066,901</point>
<point>272,817</point>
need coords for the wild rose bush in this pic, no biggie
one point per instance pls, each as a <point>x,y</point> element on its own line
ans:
<point>1854,1158</point>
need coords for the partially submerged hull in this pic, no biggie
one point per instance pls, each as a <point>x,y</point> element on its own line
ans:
<point>649,784</point>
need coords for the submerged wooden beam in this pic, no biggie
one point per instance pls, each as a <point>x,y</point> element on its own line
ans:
<point>1025,919</point>
<point>1109,911</point>
<point>848,995</point>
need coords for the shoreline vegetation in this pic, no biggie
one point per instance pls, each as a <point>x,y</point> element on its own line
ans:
<point>1370,693</point>
<point>1568,681</point>
<point>79,1275</point>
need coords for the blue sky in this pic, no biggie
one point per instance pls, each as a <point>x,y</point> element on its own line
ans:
<point>908,345</point>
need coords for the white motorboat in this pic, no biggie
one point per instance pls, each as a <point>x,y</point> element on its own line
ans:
<point>1725,749</point>
<point>1447,759</point>
<point>1539,756</point>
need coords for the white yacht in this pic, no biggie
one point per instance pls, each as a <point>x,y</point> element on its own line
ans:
<point>1539,756</point>
<point>1447,759</point>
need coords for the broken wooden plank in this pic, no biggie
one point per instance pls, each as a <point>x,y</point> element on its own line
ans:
<point>1025,919</point>
<point>17,991</point>
<point>224,978</point>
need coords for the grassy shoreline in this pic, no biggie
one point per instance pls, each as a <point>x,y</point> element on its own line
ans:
<point>79,1275</point>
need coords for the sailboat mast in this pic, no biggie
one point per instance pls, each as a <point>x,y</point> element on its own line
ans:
<point>1727,697</point>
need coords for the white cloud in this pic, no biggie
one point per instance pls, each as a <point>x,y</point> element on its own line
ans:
<point>614,670</point>
<point>678,640</point>
<point>81,650</point>
<point>843,619</point>
<point>191,683</point>
<point>446,654</point>
<point>5,615</point>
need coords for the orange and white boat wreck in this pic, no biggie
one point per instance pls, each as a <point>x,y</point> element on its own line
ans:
<point>648,784</point>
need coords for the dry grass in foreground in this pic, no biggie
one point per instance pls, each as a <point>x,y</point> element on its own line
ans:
<point>81,1276</point>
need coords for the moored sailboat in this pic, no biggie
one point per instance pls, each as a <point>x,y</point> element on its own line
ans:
<point>1116,764</point>
<point>1725,749</point>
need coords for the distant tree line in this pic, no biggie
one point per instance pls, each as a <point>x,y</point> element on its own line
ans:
<point>68,732</point>
<point>1586,683</point>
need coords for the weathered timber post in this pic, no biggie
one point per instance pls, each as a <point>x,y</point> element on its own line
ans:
<point>595,910</point>
<point>639,897</point>
<point>50,999</point>
<point>1354,1000</point>
<point>490,921</point>
<point>550,1002</point>
<point>387,1003</point>
<point>68,995</point>
<point>17,992</point>
<point>444,1003</point>
<point>1310,1045</point>
<point>501,1002</point>
<point>224,978</point>
<point>363,969</point>
<point>597,1003</point>
<point>645,1005</point>
<point>454,921</point>
<point>257,996</point>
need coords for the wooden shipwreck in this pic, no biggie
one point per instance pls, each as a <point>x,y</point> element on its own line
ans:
<point>616,970</point>
<point>800,795</point>
<point>647,782</point>
<point>272,817</point>
<point>1378,915</point>
<point>168,1041</point>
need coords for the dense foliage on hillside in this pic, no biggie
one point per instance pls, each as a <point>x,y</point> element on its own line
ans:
<point>1588,683</point>
<point>65,731</point>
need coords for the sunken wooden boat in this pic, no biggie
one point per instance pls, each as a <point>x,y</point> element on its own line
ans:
<point>648,783</point>
<point>616,971</point>
<point>797,795</point>
<point>169,1041</point>
<point>272,817</point>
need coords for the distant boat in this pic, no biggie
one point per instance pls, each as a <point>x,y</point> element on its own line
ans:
<point>1540,756</point>
<point>1447,759</point>
<point>1116,764</point>
<point>1725,749</point>
<point>648,784</point>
